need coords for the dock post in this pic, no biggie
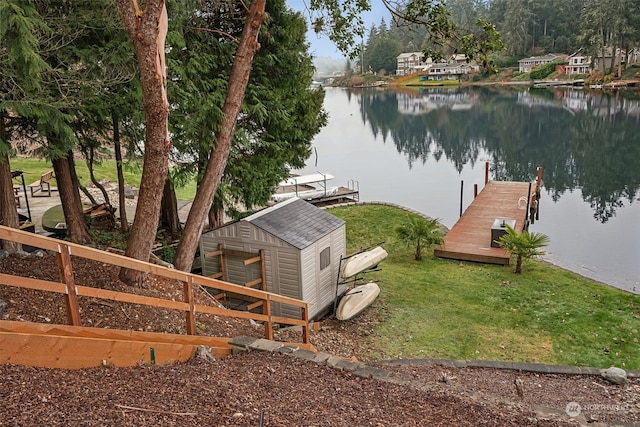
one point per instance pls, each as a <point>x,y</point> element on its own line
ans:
<point>461,188</point>
<point>538,179</point>
<point>475,190</point>
<point>538,184</point>
<point>486,173</point>
<point>526,214</point>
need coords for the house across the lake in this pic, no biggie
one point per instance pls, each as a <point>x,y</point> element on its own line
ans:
<point>447,71</point>
<point>577,63</point>
<point>452,69</point>
<point>411,62</point>
<point>604,60</point>
<point>527,64</point>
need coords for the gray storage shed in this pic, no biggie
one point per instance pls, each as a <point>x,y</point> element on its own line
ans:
<point>301,248</point>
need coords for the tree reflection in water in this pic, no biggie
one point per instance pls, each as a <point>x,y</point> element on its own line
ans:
<point>587,140</point>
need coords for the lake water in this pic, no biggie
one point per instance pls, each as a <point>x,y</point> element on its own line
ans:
<point>415,147</point>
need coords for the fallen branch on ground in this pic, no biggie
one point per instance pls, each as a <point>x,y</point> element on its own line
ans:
<point>133,408</point>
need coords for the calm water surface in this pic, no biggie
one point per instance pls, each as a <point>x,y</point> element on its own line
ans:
<point>415,148</point>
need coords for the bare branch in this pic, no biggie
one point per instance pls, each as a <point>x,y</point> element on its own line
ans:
<point>222,33</point>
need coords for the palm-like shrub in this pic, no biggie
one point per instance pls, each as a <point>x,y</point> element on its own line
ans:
<point>523,245</point>
<point>421,232</point>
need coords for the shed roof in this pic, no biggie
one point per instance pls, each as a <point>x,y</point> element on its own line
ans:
<point>296,222</point>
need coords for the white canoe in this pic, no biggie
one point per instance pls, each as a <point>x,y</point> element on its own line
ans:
<point>356,300</point>
<point>363,261</point>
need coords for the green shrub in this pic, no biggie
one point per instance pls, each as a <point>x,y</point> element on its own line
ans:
<point>543,71</point>
<point>506,61</point>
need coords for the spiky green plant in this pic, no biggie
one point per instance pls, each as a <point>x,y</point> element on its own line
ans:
<point>523,245</point>
<point>421,232</point>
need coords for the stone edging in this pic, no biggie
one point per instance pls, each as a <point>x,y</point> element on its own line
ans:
<point>514,366</point>
<point>244,343</point>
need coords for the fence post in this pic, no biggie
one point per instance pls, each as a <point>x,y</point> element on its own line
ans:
<point>268,325</point>
<point>188,298</point>
<point>66,276</point>
<point>306,334</point>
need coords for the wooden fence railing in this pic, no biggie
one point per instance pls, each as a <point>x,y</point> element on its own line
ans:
<point>71,290</point>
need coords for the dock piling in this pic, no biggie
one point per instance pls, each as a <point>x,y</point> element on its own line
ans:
<point>461,190</point>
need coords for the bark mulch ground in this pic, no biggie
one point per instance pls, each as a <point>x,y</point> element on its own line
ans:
<point>272,389</point>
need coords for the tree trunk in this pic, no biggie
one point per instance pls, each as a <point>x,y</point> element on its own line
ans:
<point>216,218</point>
<point>8,211</point>
<point>418,254</point>
<point>124,224</point>
<point>169,210</point>
<point>87,194</point>
<point>147,31</point>
<point>77,230</point>
<point>518,264</point>
<point>218,160</point>
<point>94,180</point>
<point>75,183</point>
<point>620,57</point>
<point>216,213</point>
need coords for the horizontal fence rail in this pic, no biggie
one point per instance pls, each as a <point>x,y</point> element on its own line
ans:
<point>71,290</point>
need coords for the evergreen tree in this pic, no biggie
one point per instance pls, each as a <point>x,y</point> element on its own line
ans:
<point>21,67</point>
<point>384,54</point>
<point>73,51</point>
<point>372,39</point>
<point>280,112</point>
<point>517,20</point>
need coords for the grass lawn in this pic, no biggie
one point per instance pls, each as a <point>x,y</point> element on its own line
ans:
<point>415,81</point>
<point>106,169</point>
<point>437,308</point>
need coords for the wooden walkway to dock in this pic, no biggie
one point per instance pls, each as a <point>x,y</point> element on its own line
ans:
<point>470,237</point>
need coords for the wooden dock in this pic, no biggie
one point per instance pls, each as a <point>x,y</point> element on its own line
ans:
<point>470,238</point>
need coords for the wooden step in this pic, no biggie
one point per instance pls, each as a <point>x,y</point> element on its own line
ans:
<point>72,347</point>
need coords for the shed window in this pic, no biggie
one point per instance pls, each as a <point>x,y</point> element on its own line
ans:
<point>325,258</point>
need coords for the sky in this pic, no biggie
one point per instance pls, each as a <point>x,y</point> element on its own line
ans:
<point>321,46</point>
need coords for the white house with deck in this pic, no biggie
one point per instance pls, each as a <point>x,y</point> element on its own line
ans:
<point>577,63</point>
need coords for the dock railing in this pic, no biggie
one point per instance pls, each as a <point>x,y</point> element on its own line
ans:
<point>67,286</point>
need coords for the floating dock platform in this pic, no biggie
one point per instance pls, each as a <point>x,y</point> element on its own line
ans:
<point>472,236</point>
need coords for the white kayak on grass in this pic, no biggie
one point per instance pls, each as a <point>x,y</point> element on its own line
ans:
<point>362,261</point>
<point>356,300</point>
